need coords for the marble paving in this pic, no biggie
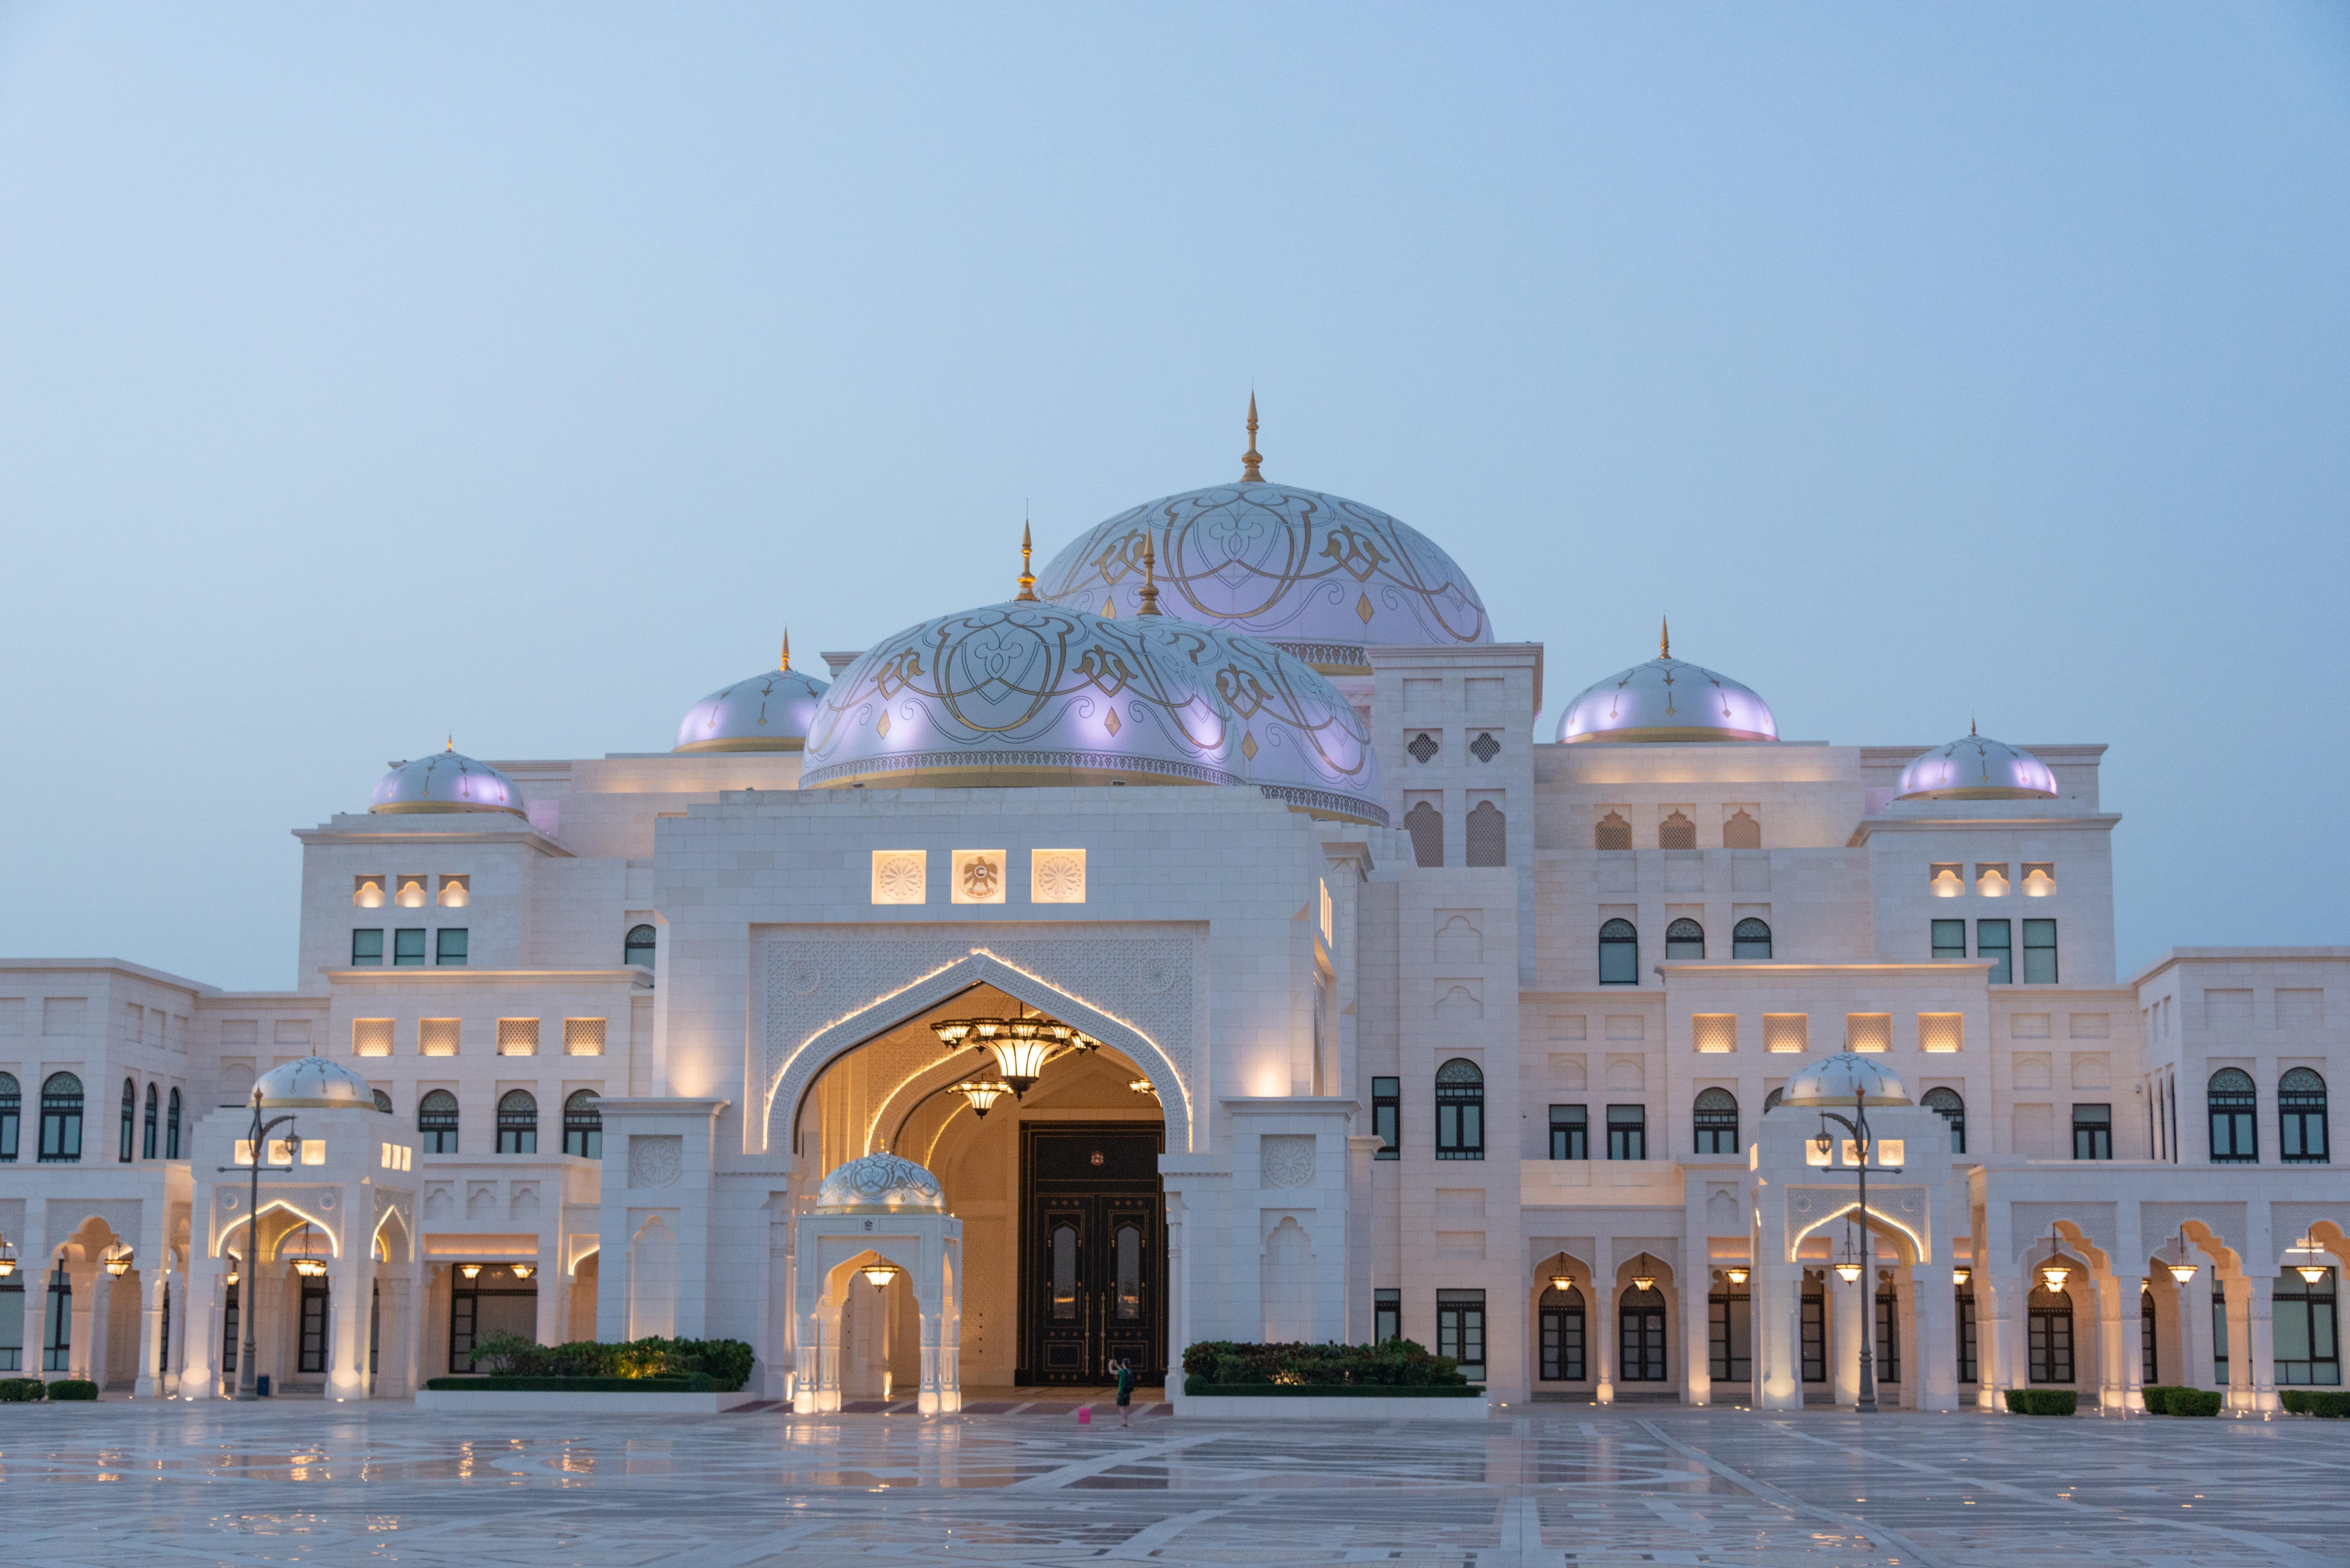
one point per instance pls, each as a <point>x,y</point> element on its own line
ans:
<point>1556,1485</point>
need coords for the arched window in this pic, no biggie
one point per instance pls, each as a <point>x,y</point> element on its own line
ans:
<point>1715,1121</point>
<point>1751,939</point>
<point>1426,825</point>
<point>582,1126</point>
<point>639,946</point>
<point>1489,835</point>
<point>1642,1322</point>
<point>1460,1110</point>
<point>2300,1115</point>
<point>1560,1327</point>
<point>517,1122</point>
<point>1684,939</point>
<point>1619,954</point>
<point>12,1111</point>
<point>436,1122</point>
<point>60,1119</point>
<point>1771,1101</point>
<point>384,1102</point>
<point>1677,832</point>
<point>1612,832</point>
<point>130,1120</point>
<point>1741,831</point>
<point>2051,1342</point>
<point>151,1126</point>
<point>2235,1106</point>
<point>171,1126</point>
<point>1954,1111</point>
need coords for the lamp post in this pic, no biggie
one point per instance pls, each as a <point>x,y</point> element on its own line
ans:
<point>1866,1405</point>
<point>246,1387</point>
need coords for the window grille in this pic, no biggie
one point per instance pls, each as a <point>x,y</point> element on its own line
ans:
<point>1750,939</point>
<point>1677,832</point>
<point>517,1036</point>
<point>517,1122</point>
<point>437,1036</point>
<point>1489,834</point>
<point>1612,833</point>
<point>1786,1033</point>
<point>583,1036</point>
<point>371,1036</point>
<point>1426,825</point>
<point>1460,1110</point>
<point>1942,1031</point>
<point>436,1122</point>
<point>1684,939</point>
<point>1714,1033</point>
<point>1423,747</point>
<point>1868,1030</point>
<point>1714,1119</point>
<point>1485,748</point>
<point>582,1126</point>
<point>1954,1111</point>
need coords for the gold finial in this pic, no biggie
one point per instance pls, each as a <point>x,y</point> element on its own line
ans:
<point>1027,578</point>
<point>1249,459</point>
<point>1970,724</point>
<point>785,667</point>
<point>1149,578</point>
<point>1664,637</point>
<point>451,744</point>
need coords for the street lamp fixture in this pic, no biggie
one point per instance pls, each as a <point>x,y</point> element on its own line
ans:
<point>1735,1274</point>
<point>1961,1274</point>
<point>257,1146</point>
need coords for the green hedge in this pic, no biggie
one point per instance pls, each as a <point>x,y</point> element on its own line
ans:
<point>2329,1403</point>
<point>2157,1398</point>
<point>2042,1401</point>
<point>725,1362</point>
<point>699,1383</point>
<point>1397,1363</point>
<point>1199,1387</point>
<point>73,1388</point>
<point>2190,1401</point>
<point>20,1390</point>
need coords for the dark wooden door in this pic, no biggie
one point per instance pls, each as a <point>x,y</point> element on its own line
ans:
<point>1092,1245</point>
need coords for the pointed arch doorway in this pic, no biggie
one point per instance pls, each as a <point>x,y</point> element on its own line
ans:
<point>1093,1252</point>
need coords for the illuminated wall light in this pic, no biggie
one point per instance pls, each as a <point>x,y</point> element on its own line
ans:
<point>2039,878</point>
<point>1991,881</point>
<point>410,894</point>
<point>367,892</point>
<point>456,892</point>
<point>1946,880</point>
<point>1714,1033</point>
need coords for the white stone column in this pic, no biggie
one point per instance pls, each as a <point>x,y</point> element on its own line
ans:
<point>1778,1289</point>
<point>1933,1372</point>
<point>2195,1367</point>
<point>93,1298</point>
<point>1846,1303</point>
<point>1695,1289</point>
<point>350,1278</point>
<point>2124,1331</point>
<point>1606,1330</point>
<point>2261,1341</point>
<point>2240,1344</point>
<point>1996,1346</point>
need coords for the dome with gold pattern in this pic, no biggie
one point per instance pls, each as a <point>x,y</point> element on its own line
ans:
<point>1030,694</point>
<point>1316,574</point>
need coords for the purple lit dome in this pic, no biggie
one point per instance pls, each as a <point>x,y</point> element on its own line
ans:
<point>444,780</point>
<point>1976,767</point>
<point>314,1083</point>
<point>769,712</point>
<point>1668,698</point>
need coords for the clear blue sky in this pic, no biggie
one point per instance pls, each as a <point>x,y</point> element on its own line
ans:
<point>371,372</point>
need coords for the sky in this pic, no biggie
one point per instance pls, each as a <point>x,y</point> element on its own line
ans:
<point>371,375</point>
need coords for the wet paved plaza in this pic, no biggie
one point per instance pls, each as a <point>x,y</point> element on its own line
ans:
<point>167,1483</point>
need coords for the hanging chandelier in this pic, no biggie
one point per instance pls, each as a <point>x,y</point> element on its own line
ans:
<point>1735,1274</point>
<point>1642,1279</point>
<point>2182,1266</point>
<point>879,1273</point>
<point>983,1094</point>
<point>118,1260</point>
<point>1021,1046</point>
<point>2312,1271</point>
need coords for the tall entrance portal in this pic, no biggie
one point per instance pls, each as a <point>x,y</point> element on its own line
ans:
<point>1092,1251</point>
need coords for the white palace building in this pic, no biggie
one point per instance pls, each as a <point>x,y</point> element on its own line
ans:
<point>1194,945</point>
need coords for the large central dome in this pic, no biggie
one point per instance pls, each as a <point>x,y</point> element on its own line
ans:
<point>1319,575</point>
<point>1030,694</point>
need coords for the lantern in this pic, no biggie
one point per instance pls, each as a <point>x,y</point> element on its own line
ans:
<point>880,1273</point>
<point>525,1271</point>
<point>982,1093</point>
<point>1562,1283</point>
<point>470,1270</point>
<point>1736,1274</point>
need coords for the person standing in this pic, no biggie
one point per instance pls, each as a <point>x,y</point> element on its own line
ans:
<point>1125,1391</point>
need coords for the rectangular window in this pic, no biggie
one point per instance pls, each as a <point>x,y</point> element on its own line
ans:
<point>232,1336</point>
<point>450,947</point>
<point>407,948</point>
<point>1966,1371</point>
<point>2040,952</point>
<point>366,948</point>
<point>583,1036</point>
<point>1386,1316</point>
<point>1941,1033</point>
<point>2092,1132</point>
<point>311,1354</point>
<point>1786,1033</point>
<point>2049,1345</point>
<point>1460,1330</point>
<point>1888,1337</point>
<point>1386,1117</point>
<point>517,1036</point>
<point>1714,1033</point>
<point>436,1036</point>
<point>2220,1339</point>
<point>1570,1132</point>
<point>1949,941</point>
<point>1868,1031</point>
<point>1992,941</point>
<point>1816,1337</point>
<point>1627,1132</point>
<point>2308,1336</point>
<point>1733,1337</point>
<point>371,1036</point>
<point>1460,1117</point>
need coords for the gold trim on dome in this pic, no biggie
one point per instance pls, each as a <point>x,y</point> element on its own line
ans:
<point>1981,792</point>
<point>1666,732</point>
<point>746,743</point>
<point>430,808</point>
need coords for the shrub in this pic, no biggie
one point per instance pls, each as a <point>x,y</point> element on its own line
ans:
<point>2157,1398</point>
<point>1397,1363</point>
<point>20,1390</point>
<point>2041,1401</point>
<point>73,1388</point>
<point>2192,1402</point>
<point>2327,1403</point>
<point>726,1363</point>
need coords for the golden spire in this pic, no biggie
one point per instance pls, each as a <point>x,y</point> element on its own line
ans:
<point>451,744</point>
<point>1027,578</point>
<point>1970,724</point>
<point>1664,637</point>
<point>1249,459</point>
<point>1149,578</point>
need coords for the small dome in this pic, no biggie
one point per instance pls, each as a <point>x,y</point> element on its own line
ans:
<point>1845,1078</point>
<point>445,781</point>
<point>1976,767</point>
<point>315,1083</point>
<point>1026,693</point>
<point>1668,698</point>
<point>769,712</point>
<point>881,1184</point>
<point>1318,575</point>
